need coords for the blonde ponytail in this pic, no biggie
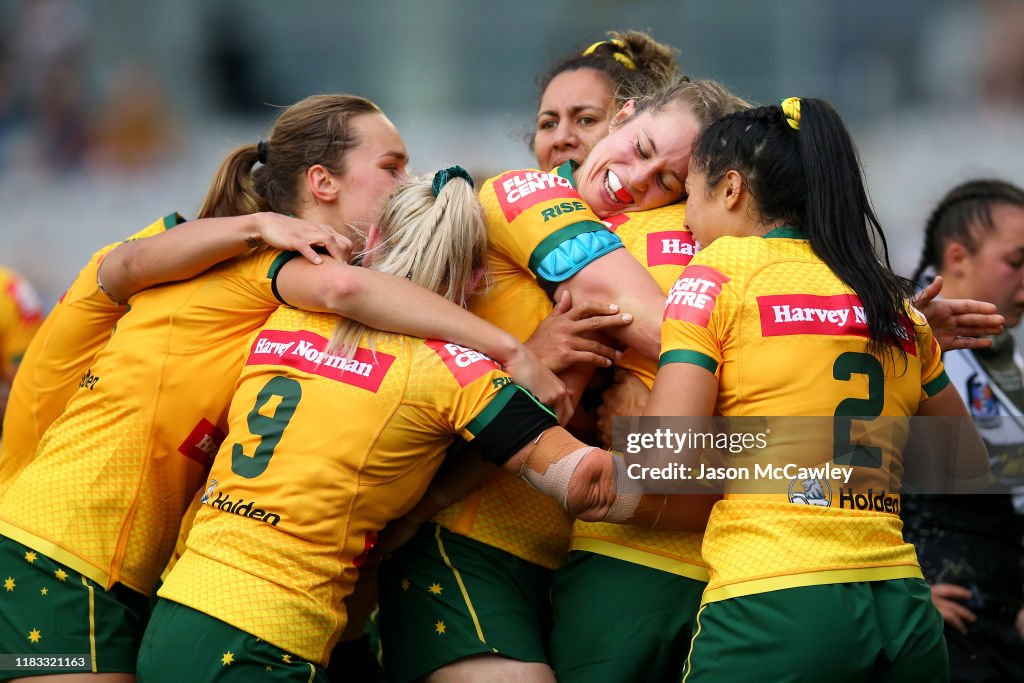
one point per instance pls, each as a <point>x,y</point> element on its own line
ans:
<point>438,242</point>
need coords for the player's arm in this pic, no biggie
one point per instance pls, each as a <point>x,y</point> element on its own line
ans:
<point>193,247</point>
<point>394,304</point>
<point>682,389</point>
<point>953,446</point>
<point>594,485</point>
<point>619,278</point>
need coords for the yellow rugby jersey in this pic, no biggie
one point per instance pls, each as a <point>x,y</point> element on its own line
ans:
<point>528,214</point>
<point>786,337</point>
<point>57,361</point>
<point>20,315</point>
<point>322,451</point>
<point>659,240</point>
<point>135,442</point>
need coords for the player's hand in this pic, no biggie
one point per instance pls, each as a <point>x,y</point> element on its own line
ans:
<point>626,396</point>
<point>528,371</point>
<point>295,234</point>
<point>947,598</point>
<point>572,334</point>
<point>958,323</point>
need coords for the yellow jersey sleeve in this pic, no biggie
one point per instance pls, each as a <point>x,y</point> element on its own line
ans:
<point>56,361</point>
<point>530,213</point>
<point>699,311</point>
<point>933,373</point>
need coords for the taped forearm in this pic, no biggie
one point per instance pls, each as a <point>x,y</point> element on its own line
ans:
<point>552,465</point>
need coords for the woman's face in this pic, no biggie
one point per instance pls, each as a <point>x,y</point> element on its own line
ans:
<point>372,169</point>
<point>706,217</point>
<point>995,271</point>
<point>574,113</point>
<point>641,164</point>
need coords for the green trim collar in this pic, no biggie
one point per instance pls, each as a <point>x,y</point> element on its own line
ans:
<point>787,232</point>
<point>566,171</point>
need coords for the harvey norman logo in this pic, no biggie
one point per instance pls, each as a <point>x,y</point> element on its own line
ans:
<point>838,314</point>
<point>303,351</point>
<point>517,191</point>
<point>670,247</point>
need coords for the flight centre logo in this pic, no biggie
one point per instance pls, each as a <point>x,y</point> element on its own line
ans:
<point>810,492</point>
<point>465,364</point>
<point>517,191</point>
<point>693,296</point>
<point>240,507</point>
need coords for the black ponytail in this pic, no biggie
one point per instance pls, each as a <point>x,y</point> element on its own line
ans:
<point>811,178</point>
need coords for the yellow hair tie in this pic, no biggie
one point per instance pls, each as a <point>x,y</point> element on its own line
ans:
<point>618,47</point>
<point>791,109</point>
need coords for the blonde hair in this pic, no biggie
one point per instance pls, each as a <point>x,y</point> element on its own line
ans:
<point>313,131</point>
<point>439,243</point>
<point>706,99</point>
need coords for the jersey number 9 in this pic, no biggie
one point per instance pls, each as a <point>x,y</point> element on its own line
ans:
<point>269,429</point>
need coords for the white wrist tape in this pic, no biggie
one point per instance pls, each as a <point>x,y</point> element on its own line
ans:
<point>554,481</point>
<point>628,494</point>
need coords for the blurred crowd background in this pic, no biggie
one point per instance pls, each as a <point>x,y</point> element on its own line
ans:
<point>113,112</point>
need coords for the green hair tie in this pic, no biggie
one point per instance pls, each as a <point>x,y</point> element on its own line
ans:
<point>442,177</point>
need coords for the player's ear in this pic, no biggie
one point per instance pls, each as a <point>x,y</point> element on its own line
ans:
<point>622,115</point>
<point>955,261</point>
<point>322,185</point>
<point>734,188</point>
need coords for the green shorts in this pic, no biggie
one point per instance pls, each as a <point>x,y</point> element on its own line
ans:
<point>444,597</point>
<point>619,621</point>
<point>870,632</point>
<point>47,609</point>
<point>183,644</point>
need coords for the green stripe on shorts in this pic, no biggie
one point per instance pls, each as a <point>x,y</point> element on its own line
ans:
<point>47,609</point>
<point>444,597</point>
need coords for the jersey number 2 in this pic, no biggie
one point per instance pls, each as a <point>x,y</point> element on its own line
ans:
<point>844,451</point>
<point>268,428</point>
